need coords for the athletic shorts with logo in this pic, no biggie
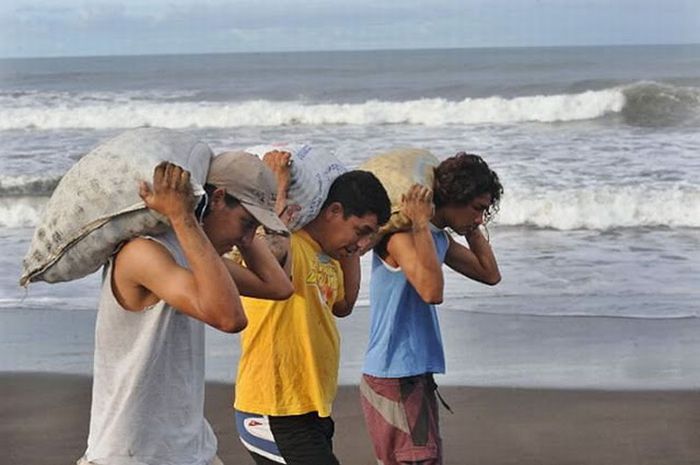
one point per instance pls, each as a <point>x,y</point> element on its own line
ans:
<point>293,440</point>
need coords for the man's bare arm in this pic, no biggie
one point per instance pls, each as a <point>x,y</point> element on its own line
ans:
<point>477,261</point>
<point>145,271</point>
<point>414,251</point>
<point>280,163</point>
<point>267,270</point>
<point>351,284</point>
<point>262,277</point>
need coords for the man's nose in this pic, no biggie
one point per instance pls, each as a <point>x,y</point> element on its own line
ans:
<point>480,219</point>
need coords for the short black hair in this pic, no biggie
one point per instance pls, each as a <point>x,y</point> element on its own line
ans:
<point>462,178</point>
<point>360,193</point>
<point>203,208</point>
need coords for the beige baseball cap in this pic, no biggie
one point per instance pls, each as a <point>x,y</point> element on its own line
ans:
<point>245,177</point>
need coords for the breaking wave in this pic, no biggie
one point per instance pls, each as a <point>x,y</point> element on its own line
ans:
<point>639,104</point>
<point>33,111</point>
<point>601,208</point>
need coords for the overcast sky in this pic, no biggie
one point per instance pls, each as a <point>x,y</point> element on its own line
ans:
<point>110,27</point>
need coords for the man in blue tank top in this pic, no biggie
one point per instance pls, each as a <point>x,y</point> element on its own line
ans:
<point>405,345</point>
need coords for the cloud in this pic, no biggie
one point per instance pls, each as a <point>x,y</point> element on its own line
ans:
<point>183,26</point>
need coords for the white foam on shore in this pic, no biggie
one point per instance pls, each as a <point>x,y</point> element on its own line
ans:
<point>28,185</point>
<point>601,208</point>
<point>73,112</point>
<point>21,212</point>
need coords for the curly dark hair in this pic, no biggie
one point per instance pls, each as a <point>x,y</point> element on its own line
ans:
<point>462,178</point>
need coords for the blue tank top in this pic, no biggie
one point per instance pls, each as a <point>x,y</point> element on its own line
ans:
<point>404,337</point>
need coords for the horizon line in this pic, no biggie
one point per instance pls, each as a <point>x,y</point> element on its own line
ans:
<point>343,50</point>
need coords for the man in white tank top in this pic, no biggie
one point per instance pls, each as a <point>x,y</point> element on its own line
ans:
<point>157,295</point>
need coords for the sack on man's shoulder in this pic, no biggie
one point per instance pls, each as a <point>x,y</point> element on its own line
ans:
<point>398,170</point>
<point>312,172</point>
<point>96,205</point>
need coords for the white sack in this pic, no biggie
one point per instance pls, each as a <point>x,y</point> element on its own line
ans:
<point>96,206</point>
<point>312,173</point>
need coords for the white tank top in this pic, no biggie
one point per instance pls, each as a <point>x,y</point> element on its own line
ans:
<point>148,387</point>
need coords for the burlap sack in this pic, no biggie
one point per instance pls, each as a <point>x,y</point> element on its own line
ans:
<point>96,206</point>
<point>398,170</point>
<point>312,173</point>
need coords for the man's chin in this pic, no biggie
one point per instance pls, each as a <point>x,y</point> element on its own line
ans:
<point>343,253</point>
<point>334,255</point>
<point>338,254</point>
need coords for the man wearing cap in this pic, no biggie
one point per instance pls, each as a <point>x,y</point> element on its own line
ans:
<point>157,295</point>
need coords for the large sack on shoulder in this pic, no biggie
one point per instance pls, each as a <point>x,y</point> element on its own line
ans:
<point>312,173</point>
<point>96,205</point>
<point>398,170</point>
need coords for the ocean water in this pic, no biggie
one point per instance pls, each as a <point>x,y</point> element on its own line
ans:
<point>598,148</point>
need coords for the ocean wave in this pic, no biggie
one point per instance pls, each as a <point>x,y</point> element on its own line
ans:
<point>27,186</point>
<point>21,212</point>
<point>655,104</point>
<point>641,104</point>
<point>120,112</point>
<point>602,208</point>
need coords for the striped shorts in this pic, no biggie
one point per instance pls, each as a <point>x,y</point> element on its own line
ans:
<point>402,419</point>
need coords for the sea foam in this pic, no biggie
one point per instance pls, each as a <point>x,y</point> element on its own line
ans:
<point>640,104</point>
<point>67,111</point>
<point>601,208</point>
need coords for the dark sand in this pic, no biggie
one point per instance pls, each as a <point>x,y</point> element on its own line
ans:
<point>45,421</point>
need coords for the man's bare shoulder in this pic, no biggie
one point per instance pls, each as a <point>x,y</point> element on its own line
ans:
<point>399,241</point>
<point>141,254</point>
<point>139,266</point>
<point>135,248</point>
<point>393,245</point>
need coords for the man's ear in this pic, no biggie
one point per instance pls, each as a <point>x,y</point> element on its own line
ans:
<point>333,210</point>
<point>217,198</point>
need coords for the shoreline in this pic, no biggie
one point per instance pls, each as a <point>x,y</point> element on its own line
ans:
<point>488,350</point>
<point>45,421</point>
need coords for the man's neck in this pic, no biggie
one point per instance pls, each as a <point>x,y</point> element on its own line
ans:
<point>438,219</point>
<point>314,230</point>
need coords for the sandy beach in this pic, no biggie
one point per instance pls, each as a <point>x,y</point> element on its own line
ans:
<point>45,421</point>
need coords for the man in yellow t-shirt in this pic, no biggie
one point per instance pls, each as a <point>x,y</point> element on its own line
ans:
<point>288,371</point>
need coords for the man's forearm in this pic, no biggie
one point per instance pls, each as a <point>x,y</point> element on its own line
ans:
<point>217,296</point>
<point>481,248</point>
<point>279,247</point>
<point>263,260</point>
<point>351,284</point>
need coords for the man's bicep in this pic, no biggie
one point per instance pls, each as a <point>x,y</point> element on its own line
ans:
<point>148,264</point>
<point>401,249</point>
<point>423,272</point>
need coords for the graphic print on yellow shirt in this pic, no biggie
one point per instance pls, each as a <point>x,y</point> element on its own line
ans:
<point>322,275</point>
<point>290,349</point>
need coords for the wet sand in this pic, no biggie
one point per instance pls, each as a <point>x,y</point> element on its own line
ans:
<point>45,421</point>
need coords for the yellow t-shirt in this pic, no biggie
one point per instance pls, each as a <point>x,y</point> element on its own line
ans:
<point>291,348</point>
